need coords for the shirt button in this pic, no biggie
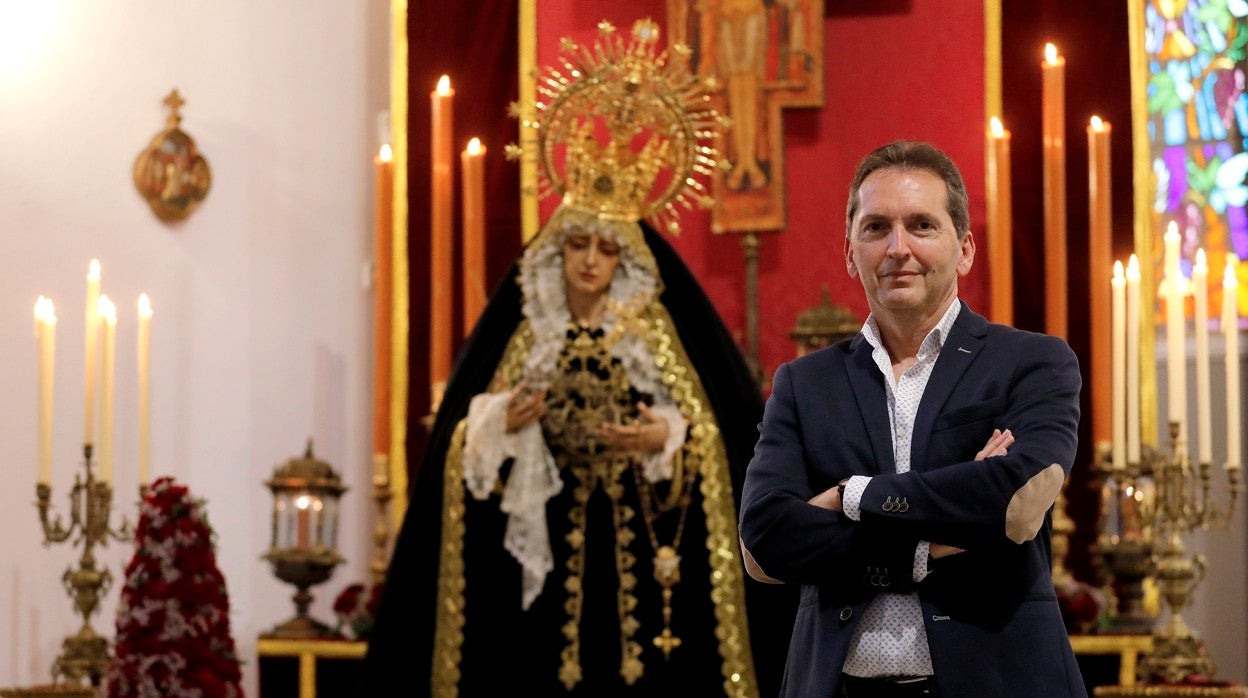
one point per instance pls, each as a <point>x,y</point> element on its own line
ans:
<point>847,613</point>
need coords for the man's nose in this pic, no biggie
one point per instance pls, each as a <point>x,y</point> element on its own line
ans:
<point>898,242</point>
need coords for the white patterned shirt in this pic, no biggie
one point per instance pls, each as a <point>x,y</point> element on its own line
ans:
<point>890,640</point>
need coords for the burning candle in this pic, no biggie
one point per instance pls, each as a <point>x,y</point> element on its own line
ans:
<point>45,335</point>
<point>1200,290</point>
<point>440,231</point>
<point>108,343</point>
<point>1176,352</point>
<point>472,162</point>
<point>303,522</point>
<point>145,390</point>
<point>383,290</point>
<point>1133,360</point>
<point>93,336</point>
<point>1118,341</point>
<point>1054,157</point>
<point>1230,330</point>
<point>1099,254</point>
<point>1000,223</point>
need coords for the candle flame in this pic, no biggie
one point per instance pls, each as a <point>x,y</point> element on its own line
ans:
<point>45,313</point>
<point>303,501</point>
<point>1133,268</point>
<point>1096,124</point>
<point>1229,279</point>
<point>386,153</point>
<point>1050,54</point>
<point>444,85</point>
<point>997,129</point>
<point>107,310</point>
<point>1118,275</point>
<point>1199,264</point>
<point>1172,230</point>
<point>145,305</point>
<point>474,146</point>
<point>93,270</point>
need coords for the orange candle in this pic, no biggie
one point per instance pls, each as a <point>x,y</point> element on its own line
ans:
<point>1100,251</point>
<point>383,290</point>
<point>440,244</point>
<point>472,163</point>
<point>45,334</point>
<point>93,336</point>
<point>1054,141</point>
<point>1000,224</point>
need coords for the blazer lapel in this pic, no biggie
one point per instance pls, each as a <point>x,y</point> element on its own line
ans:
<point>868,388</point>
<point>963,344</point>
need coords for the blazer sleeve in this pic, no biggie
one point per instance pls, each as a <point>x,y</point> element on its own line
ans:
<point>786,539</point>
<point>1003,499</point>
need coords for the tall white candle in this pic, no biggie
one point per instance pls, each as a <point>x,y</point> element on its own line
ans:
<point>1176,352</point>
<point>145,404</point>
<point>1133,360</point>
<point>1230,328</point>
<point>45,333</point>
<point>108,342</point>
<point>1200,290</point>
<point>93,336</point>
<point>1118,349</point>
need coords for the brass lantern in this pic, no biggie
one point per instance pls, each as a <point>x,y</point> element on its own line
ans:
<point>304,547</point>
<point>823,325</point>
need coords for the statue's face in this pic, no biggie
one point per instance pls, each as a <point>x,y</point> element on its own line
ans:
<point>589,262</point>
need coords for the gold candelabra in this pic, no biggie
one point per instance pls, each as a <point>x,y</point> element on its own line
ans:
<point>85,653</point>
<point>1162,498</point>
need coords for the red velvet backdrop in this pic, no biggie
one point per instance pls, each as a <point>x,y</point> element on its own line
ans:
<point>893,69</point>
<point>481,58</point>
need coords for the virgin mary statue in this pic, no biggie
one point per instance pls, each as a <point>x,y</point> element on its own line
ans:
<point>572,528</point>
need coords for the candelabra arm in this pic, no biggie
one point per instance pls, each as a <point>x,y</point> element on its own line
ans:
<point>54,531</point>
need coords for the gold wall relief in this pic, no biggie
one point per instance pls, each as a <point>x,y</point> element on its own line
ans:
<point>170,173</point>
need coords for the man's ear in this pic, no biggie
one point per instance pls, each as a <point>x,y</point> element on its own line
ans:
<point>849,260</point>
<point>968,254</point>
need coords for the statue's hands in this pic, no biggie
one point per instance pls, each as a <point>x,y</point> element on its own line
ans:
<point>647,435</point>
<point>527,404</point>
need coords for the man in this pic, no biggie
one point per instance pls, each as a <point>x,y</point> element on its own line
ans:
<point>904,477</point>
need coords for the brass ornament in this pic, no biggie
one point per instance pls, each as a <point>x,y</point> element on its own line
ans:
<point>170,173</point>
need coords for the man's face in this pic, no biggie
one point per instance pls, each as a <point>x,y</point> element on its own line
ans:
<point>902,244</point>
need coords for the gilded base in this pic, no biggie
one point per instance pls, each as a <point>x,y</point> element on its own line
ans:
<point>1170,691</point>
<point>60,690</point>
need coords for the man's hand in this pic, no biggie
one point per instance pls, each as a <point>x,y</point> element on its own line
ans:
<point>998,445</point>
<point>828,499</point>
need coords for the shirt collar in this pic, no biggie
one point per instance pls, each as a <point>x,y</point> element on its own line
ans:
<point>934,340</point>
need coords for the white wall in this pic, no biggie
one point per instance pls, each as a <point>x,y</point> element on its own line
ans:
<point>262,328</point>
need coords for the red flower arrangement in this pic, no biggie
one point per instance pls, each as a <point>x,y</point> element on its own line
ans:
<point>355,612</point>
<point>173,622</point>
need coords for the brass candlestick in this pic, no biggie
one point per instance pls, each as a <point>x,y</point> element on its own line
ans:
<point>84,654</point>
<point>1126,553</point>
<point>1153,528</point>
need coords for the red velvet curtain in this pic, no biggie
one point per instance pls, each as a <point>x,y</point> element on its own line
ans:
<point>475,43</point>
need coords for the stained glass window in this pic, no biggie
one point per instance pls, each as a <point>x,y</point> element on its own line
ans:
<point>1197,130</point>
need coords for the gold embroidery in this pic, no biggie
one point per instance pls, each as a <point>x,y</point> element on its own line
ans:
<point>448,638</point>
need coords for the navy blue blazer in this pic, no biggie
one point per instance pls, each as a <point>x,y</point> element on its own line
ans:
<point>991,613</point>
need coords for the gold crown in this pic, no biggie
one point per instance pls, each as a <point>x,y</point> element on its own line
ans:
<point>622,130</point>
